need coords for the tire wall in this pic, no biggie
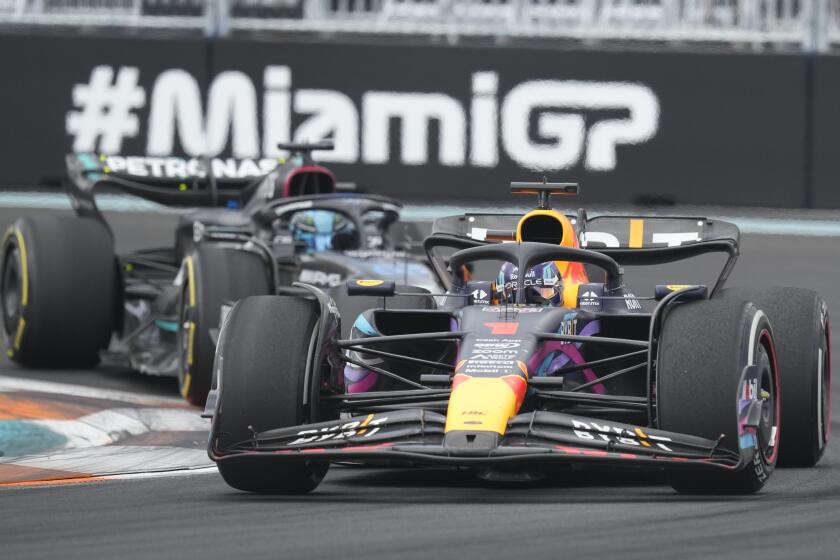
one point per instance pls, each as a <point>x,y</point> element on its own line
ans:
<point>437,122</point>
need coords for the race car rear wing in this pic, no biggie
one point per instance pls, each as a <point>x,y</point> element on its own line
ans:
<point>182,182</point>
<point>630,240</point>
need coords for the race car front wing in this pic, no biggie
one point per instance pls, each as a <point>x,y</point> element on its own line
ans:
<point>416,436</point>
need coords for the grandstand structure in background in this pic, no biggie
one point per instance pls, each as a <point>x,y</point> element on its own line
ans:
<point>806,25</point>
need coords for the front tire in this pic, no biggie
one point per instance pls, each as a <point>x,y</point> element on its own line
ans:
<point>213,276</point>
<point>59,291</point>
<point>703,350</point>
<point>267,345</point>
<point>801,326</point>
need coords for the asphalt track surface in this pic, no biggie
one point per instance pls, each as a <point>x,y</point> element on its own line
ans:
<point>376,513</point>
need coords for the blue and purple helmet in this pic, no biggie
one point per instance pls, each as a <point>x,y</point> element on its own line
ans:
<point>543,284</point>
<point>319,228</point>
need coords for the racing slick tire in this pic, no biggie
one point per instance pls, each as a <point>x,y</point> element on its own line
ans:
<point>60,282</point>
<point>266,347</point>
<point>801,327</point>
<point>703,349</point>
<point>213,275</point>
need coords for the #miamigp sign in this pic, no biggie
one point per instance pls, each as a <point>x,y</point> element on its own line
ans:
<point>432,122</point>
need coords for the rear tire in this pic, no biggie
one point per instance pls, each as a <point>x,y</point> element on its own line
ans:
<point>703,350</point>
<point>264,354</point>
<point>59,291</point>
<point>801,327</point>
<point>213,275</point>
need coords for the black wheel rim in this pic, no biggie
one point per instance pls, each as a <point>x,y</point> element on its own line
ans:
<point>183,335</point>
<point>11,292</point>
<point>768,387</point>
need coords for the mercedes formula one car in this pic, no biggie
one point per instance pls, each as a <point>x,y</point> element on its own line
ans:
<point>553,363</point>
<point>69,301</point>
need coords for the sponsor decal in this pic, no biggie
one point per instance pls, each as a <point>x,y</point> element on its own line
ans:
<point>374,241</point>
<point>601,430</point>
<point>748,393</point>
<point>186,168</point>
<point>568,327</point>
<point>749,390</point>
<point>319,277</point>
<point>364,428</point>
<point>759,468</point>
<point>589,299</point>
<point>675,239</point>
<point>496,344</point>
<point>479,364</point>
<point>669,239</point>
<point>547,280</point>
<point>492,356</point>
<point>632,303</point>
<point>479,295</point>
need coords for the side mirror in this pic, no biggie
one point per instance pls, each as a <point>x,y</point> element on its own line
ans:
<point>379,288</point>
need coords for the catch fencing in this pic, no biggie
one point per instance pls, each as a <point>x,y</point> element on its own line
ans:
<point>809,25</point>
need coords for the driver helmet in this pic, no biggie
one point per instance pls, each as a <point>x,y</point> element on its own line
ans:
<point>321,230</point>
<point>543,284</point>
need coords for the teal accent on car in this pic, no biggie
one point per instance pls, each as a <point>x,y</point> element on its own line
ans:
<point>168,326</point>
<point>363,326</point>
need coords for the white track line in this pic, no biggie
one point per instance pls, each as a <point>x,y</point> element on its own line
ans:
<point>167,473</point>
<point>210,469</point>
<point>38,386</point>
<point>118,459</point>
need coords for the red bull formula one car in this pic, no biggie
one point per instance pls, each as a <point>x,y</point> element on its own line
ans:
<point>520,375</point>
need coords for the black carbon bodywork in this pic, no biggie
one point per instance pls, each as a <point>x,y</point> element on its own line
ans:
<point>250,213</point>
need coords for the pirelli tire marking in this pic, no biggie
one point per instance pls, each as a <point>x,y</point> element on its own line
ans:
<point>13,343</point>
<point>189,326</point>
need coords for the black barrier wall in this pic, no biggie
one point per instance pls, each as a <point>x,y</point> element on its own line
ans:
<point>825,142</point>
<point>63,94</point>
<point>438,122</point>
